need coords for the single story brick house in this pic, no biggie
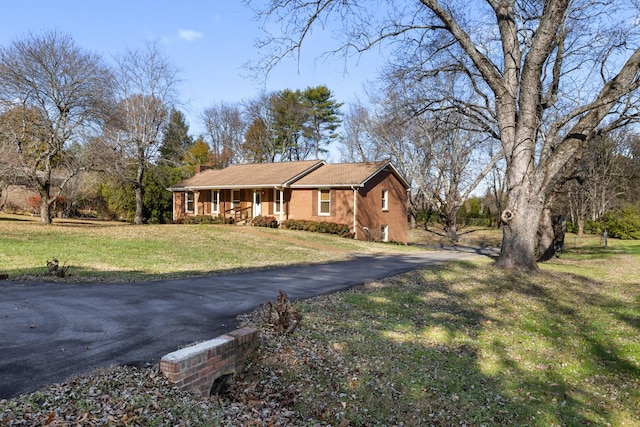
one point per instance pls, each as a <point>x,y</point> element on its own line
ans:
<point>369,197</point>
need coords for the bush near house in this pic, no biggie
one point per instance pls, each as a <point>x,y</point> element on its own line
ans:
<point>341,230</point>
<point>264,221</point>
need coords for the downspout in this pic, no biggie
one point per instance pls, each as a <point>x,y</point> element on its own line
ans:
<point>355,212</point>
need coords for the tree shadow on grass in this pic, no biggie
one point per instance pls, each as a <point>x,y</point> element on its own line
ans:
<point>463,345</point>
<point>83,275</point>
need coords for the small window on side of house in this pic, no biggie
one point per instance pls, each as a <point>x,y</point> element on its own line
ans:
<point>277,201</point>
<point>384,233</point>
<point>189,200</point>
<point>385,200</point>
<point>324,202</point>
<point>215,201</point>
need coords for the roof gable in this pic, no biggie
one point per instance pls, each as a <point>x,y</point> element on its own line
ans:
<point>346,175</point>
<point>250,175</point>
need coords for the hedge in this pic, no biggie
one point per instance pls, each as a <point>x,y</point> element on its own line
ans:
<point>318,227</point>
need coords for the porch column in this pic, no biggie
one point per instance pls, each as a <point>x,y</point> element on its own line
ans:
<point>281,203</point>
<point>173,204</point>
<point>196,196</point>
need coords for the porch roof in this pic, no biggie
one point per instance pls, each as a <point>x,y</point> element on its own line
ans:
<point>254,175</point>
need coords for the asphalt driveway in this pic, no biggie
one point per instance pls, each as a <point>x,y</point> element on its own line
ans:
<point>49,332</point>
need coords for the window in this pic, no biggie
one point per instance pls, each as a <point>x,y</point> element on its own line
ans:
<point>189,201</point>
<point>215,201</point>
<point>236,205</point>
<point>385,200</point>
<point>277,201</point>
<point>384,233</point>
<point>324,202</point>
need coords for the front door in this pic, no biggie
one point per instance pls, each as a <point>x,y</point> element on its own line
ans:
<point>257,203</point>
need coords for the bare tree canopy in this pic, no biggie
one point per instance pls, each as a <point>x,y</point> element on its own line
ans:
<point>225,128</point>
<point>52,94</point>
<point>146,85</point>
<point>542,77</point>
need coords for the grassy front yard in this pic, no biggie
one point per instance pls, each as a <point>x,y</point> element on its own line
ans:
<point>106,251</point>
<point>466,344</point>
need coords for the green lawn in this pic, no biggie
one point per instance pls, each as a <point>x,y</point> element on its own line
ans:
<point>108,251</point>
<point>467,344</point>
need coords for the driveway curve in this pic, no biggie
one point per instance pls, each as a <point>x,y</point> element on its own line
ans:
<point>49,332</point>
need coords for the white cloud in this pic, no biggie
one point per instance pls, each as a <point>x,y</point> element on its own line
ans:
<point>189,35</point>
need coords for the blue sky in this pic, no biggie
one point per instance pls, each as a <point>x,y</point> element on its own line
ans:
<point>209,41</point>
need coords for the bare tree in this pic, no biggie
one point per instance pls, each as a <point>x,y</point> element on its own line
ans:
<point>357,143</point>
<point>442,155</point>
<point>260,142</point>
<point>599,181</point>
<point>225,131</point>
<point>52,93</point>
<point>546,75</point>
<point>146,92</point>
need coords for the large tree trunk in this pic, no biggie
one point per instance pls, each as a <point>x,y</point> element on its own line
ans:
<point>139,205</point>
<point>450,219</point>
<point>45,211</point>
<point>139,187</point>
<point>519,227</point>
<point>45,207</point>
<point>546,236</point>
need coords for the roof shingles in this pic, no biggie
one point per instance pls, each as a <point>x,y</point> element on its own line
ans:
<point>250,175</point>
<point>302,174</point>
<point>340,174</point>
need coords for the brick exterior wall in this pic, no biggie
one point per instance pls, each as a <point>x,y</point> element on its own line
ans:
<point>197,367</point>
<point>371,215</point>
<point>303,204</point>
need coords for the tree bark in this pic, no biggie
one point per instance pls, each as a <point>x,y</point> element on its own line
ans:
<point>139,205</point>
<point>45,211</point>
<point>519,226</point>
<point>546,236</point>
<point>450,219</point>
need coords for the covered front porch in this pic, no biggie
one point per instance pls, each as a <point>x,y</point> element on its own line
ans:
<point>237,205</point>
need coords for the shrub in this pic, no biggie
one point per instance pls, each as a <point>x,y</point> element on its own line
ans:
<point>264,221</point>
<point>593,227</point>
<point>341,230</point>
<point>54,269</point>
<point>58,207</point>
<point>624,223</point>
<point>280,316</point>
